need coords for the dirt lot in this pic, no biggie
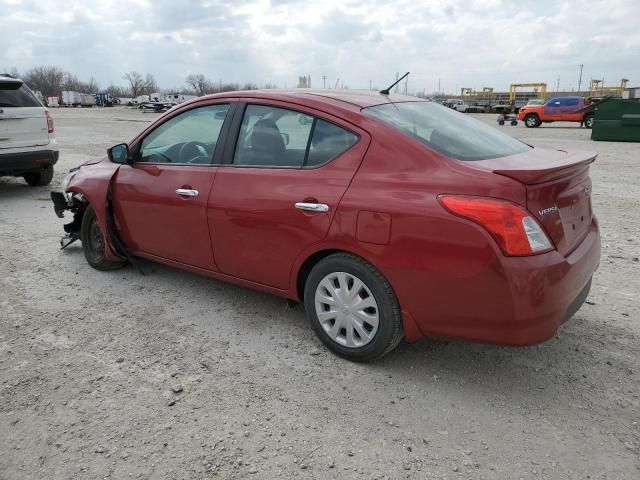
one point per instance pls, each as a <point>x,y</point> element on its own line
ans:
<point>172,375</point>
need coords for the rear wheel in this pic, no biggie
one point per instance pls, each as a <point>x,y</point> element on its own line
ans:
<point>588,121</point>
<point>39,178</point>
<point>94,244</point>
<point>353,308</point>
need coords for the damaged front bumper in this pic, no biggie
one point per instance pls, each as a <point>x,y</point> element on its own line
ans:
<point>75,203</point>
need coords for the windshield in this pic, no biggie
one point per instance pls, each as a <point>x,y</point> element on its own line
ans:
<point>447,131</point>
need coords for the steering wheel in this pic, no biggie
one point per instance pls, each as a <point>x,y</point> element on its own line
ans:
<point>192,151</point>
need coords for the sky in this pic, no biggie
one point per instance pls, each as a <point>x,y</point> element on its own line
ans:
<point>456,43</point>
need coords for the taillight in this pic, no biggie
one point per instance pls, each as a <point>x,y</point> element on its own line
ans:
<point>49,121</point>
<point>515,230</point>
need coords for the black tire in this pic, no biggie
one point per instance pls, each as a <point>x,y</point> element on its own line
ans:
<point>39,178</point>
<point>514,122</point>
<point>94,243</point>
<point>501,122</point>
<point>588,121</point>
<point>389,331</point>
<point>531,121</point>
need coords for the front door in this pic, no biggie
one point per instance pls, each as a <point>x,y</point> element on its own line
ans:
<point>160,199</point>
<point>278,196</point>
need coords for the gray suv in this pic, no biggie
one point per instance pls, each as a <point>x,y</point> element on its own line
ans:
<point>28,147</point>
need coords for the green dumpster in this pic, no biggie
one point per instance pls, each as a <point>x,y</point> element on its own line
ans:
<point>617,120</point>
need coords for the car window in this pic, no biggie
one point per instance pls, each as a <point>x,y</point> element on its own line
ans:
<point>188,138</point>
<point>273,137</point>
<point>328,141</point>
<point>447,131</point>
<point>20,97</point>
<point>571,102</point>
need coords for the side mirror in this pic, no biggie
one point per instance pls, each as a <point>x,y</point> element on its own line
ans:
<point>119,153</point>
<point>285,138</point>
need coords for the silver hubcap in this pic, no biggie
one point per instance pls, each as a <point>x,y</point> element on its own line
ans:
<point>531,121</point>
<point>346,309</point>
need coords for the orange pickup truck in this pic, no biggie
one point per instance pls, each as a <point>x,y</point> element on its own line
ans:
<point>559,109</point>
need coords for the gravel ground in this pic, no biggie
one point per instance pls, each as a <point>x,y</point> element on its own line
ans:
<point>173,375</point>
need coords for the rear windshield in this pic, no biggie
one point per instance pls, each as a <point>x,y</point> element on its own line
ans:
<point>451,133</point>
<point>22,97</point>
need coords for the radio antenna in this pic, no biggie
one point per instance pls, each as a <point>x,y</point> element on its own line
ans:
<point>388,89</point>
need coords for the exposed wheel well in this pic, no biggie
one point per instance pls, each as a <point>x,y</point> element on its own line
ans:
<point>306,267</point>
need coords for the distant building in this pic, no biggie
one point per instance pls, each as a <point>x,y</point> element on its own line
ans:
<point>304,81</point>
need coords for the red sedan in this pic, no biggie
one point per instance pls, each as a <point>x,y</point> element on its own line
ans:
<point>389,217</point>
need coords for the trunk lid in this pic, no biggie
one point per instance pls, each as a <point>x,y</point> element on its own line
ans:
<point>22,117</point>
<point>23,127</point>
<point>558,190</point>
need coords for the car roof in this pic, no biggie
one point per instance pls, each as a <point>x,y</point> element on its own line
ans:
<point>568,96</point>
<point>355,99</point>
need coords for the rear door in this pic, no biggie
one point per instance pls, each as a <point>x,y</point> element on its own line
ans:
<point>22,118</point>
<point>160,199</point>
<point>279,192</point>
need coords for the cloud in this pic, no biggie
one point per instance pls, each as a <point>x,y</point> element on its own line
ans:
<point>470,43</point>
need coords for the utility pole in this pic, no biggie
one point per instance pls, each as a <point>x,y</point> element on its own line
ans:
<point>558,84</point>
<point>324,81</point>
<point>370,87</point>
<point>580,80</point>
<point>438,86</point>
<point>397,76</point>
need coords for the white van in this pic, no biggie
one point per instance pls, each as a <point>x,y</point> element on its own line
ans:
<point>28,147</point>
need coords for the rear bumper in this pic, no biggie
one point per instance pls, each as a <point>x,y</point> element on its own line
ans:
<point>516,301</point>
<point>20,163</point>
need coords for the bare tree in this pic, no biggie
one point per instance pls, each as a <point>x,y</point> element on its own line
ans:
<point>117,92</point>
<point>92,85</point>
<point>150,85</point>
<point>136,82</point>
<point>199,83</point>
<point>249,86</point>
<point>45,79</point>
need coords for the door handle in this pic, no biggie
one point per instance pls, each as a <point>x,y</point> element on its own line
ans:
<point>187,192</point>
<point>312,207</point>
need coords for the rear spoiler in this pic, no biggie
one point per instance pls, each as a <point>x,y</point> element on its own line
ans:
<point>10,83</point>
<point>538,165</point>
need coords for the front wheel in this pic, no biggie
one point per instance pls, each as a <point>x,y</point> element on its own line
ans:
<point>588,121</point>
<point>352,308</point>
<point>531,121</point>
<point>39,178</point>
<point>94,244</point>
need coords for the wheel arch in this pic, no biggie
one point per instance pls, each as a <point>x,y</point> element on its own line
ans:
<point>307,265</point>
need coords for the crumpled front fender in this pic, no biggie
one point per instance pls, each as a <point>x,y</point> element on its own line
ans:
<point>93,182</point>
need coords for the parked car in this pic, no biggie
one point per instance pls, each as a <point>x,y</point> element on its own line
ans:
<point>28,146</point>
<point>389,217</point>
<point>559,109</point>
<point>456,104</point>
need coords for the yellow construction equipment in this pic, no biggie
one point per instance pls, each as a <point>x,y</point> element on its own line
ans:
<point>466,92</point>
<point>597,88</point>
<point>486,92</point>
<point>539,88</point>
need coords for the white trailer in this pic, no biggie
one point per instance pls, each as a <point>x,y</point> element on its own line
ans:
<point>52,102</point>
<point>87,100</point>
<point>71,98</point>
